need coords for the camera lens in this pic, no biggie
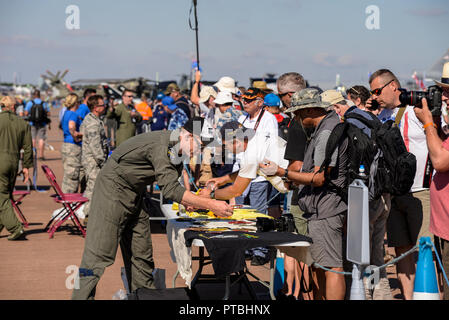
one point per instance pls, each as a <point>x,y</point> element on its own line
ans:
<point>412,98</point>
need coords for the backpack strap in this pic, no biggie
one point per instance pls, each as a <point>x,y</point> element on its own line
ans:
<point>399,115</point>
<point>374,123</point>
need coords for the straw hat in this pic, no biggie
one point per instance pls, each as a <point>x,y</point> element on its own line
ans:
<point>444,83</point>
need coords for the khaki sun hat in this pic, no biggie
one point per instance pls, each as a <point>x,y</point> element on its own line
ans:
<point>226,84</point>
<point>307,98</point>
<point>444,83</point>
<point>206,92</point>
<point>332,97</point>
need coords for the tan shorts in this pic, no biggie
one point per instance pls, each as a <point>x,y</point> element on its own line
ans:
<point>300,221</point>
<point>405,219</point>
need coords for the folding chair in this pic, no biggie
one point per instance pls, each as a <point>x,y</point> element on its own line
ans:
<point>17,202</point>
<point>70,202</point>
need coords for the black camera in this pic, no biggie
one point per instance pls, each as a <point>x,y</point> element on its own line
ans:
<point>285,223</point>
<point>374,105</point>
<point>433,96</point>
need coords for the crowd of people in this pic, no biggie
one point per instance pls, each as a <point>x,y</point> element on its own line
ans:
<point>240,146</point>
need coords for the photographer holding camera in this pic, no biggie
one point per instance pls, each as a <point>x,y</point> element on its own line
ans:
<point>439,188</point>
<point>405,221</point>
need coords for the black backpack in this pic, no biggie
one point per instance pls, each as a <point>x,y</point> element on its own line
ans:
<point>38,114</point>
<point>283,128</point>
<point>389,167</point>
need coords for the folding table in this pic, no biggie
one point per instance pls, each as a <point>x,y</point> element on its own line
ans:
<point>241,276</point>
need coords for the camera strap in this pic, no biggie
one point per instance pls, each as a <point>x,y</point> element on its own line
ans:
<point>258,119</point>
<point>399,116</point>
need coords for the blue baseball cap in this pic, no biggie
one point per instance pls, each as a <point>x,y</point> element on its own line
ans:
<point>160,96</point>
<point>169,102</point>
<point>272,100</point>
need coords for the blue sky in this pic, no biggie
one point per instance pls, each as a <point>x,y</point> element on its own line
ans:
<point>236,38</point>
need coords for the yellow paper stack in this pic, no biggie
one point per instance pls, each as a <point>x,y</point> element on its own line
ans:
<point>239,214</point>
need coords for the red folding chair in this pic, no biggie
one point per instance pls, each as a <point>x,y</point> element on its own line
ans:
<point>17,202</point>
<point>70,203</point>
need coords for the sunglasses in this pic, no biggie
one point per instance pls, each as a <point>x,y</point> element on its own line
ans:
<point>281,95</point>
<point>378,91</point>
<point>248,101</point>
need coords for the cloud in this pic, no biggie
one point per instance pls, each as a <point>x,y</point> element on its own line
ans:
<point>427,12</point>
<point>326,59</point>
<point>28,42</point>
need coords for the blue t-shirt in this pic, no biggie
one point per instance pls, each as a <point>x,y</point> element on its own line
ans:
<point>82,111</point>
<point>160,119</point>
<point>29,105</point>
<point>70,116</point>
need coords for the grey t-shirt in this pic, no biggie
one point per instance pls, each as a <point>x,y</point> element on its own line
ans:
<point>320,150</point>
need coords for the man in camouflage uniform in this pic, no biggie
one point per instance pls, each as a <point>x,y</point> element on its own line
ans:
<point>95,147</point>
<point>116,214</point>
<point>126,117</point>
<point>15,134</point>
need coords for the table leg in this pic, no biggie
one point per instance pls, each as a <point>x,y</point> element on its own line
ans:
<point>174,279</point>
<point>227,287</point>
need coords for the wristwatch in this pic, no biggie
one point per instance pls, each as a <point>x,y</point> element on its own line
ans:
<point>285,176</point>
<point>212,194</point>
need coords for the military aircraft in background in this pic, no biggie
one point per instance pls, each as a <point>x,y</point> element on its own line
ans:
<point>114,87</point>
<point>55,85</point>
<point>420,80</point>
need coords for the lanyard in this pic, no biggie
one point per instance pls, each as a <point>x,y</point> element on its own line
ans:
<point>258,119</point>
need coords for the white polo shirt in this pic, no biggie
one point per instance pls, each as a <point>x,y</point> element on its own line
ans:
<point>268,124</point>
<point>261,147</point>
<point>267,128</point>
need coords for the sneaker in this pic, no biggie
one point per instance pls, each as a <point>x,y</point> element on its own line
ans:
<point>17,235</point>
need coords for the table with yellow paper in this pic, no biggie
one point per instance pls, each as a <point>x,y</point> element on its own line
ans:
<point>225,239</point>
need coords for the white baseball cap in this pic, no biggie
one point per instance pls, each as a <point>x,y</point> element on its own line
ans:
<point>223,97</point>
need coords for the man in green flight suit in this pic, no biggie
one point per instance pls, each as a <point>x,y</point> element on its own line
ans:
<point>15,134</point>
<point>126,117</point>
<point>116,214</point>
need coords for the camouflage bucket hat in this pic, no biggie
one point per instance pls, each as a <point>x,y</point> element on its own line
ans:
<point>307,98</point>
<point>170,88</point>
